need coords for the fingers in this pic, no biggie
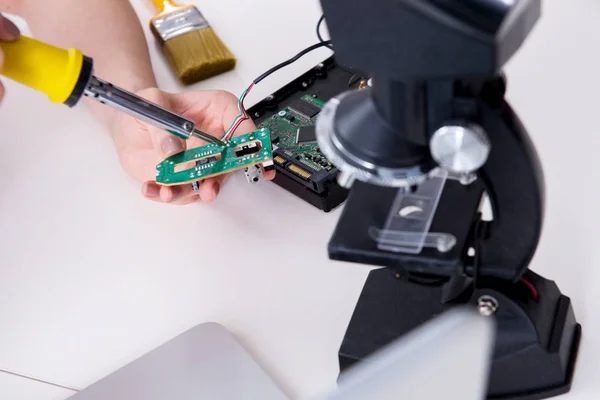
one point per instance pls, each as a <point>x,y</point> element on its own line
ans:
<point>209,189</point>
<point>182,194</point>
<point>8,30</point>
<point>269,175</point>
<point>212,110</point>
<point>166,144</point>
<point>179,195</point>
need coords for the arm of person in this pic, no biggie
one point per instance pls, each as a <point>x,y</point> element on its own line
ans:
<point>109,31</point>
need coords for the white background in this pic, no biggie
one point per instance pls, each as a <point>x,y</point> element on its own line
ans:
<point>92,275</point>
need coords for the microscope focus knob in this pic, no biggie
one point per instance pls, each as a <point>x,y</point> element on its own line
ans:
<point>461,148</point>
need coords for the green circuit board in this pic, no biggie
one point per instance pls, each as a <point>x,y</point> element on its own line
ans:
<point>211,160</point>
<point>283,127</point>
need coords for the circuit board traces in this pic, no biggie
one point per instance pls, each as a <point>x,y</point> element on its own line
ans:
<point>211,160</point>
<point>284,128</point>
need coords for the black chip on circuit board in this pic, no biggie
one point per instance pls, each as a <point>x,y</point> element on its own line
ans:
<point>205,161</point>
<point>304,108</point>
<point>306,134</point>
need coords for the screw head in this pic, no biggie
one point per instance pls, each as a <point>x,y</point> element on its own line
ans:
<point>445,243</point>
<point>188,126</point>
<point>461,147</point>
<point>487,305</point>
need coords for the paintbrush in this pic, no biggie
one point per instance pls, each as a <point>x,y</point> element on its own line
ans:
<point>192,47</point>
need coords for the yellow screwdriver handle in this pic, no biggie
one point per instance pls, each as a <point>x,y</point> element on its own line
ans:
<point>47,69</point>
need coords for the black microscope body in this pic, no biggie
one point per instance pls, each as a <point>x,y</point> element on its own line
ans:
<point>434,62</point>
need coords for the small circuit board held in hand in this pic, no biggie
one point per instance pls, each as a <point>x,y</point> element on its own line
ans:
<point>211,160</point>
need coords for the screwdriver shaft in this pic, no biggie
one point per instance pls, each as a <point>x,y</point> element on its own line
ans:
<point>144,110</point>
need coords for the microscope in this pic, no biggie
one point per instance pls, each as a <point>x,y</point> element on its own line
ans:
<point>420,149</point>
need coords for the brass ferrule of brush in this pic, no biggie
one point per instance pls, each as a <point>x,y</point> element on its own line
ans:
<point>178,23</point>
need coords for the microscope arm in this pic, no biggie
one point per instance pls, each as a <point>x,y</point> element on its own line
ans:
<point>513,179</point>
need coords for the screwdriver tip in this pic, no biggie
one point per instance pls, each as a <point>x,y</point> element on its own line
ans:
<point>207,138</point>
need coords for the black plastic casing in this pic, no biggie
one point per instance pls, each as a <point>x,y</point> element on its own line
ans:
<point>325,81</point>
<point>415,40</point>
<point>536,345</point>
<point>417,51</point>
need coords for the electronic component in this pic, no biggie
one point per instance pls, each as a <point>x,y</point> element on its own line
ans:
<point>268,166</point>
<point>253,173</point>
<point>199,163</point>
<point>297,138</point>
<point>299,171</point>
<point>247,148</point>
<point>306,134</point>
<point>301,167</point>
<point>305,108</point>
<point>211,160</point>
<point>206,160</point>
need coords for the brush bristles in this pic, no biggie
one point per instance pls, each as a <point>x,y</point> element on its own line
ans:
<point>198,55</point>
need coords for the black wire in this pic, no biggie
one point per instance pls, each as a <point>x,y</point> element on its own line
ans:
<point>292,60</point>
<point>330,46</point>
<point>319,30</point>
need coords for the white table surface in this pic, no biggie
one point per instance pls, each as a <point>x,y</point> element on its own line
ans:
<point>92,275</point>
<point>17,388</point>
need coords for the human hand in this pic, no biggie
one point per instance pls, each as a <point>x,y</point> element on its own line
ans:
<point>141,146</point>
<point>8,31</point>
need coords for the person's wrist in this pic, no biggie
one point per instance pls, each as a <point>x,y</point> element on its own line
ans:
<point>137,83</point>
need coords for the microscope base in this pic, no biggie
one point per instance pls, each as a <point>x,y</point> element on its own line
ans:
<point>523,366</point>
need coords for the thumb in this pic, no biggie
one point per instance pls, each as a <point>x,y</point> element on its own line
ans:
<point>165,143</point>
<point>8,30</point>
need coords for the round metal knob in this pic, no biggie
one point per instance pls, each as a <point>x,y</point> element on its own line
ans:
<point>460,148</point>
